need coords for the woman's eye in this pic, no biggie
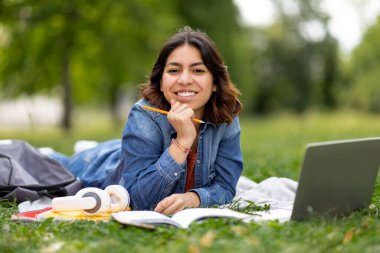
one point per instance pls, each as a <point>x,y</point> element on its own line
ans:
<point>198,71</point>
<point>172,71</point>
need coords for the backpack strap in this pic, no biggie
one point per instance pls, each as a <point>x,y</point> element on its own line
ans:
<point>22,194</point>
<point>72,188</point>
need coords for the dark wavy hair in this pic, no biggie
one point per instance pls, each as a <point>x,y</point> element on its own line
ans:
<point>223,104</point>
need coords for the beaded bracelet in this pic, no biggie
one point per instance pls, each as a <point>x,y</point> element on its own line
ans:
<point>182,148</point>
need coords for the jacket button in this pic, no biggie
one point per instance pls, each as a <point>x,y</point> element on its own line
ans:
<point>175,174</point>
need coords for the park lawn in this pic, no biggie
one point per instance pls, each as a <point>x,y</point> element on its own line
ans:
<point>272,146</point>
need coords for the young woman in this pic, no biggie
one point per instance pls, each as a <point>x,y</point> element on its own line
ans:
<point>170,162</point>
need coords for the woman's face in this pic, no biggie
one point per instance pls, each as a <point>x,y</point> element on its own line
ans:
<point>186,79</point>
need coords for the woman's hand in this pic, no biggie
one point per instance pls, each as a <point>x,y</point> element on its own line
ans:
<point>177,202</point>
<point>180,116</point>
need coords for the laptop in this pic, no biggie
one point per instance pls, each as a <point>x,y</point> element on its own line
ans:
<point>337,178</point>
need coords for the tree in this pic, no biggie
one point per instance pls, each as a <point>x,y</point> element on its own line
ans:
<point>364,89</point>
<point>92,50</point>
<point>38,56</point>
<point>295,69</point>
<point>125,37</point>
<point>80,46</point>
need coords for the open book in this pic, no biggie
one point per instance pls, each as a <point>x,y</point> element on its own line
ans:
<point>182,219</point>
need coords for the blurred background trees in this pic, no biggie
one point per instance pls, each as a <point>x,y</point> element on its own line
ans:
<point>295,68</point>
<point>94,51</point>
<point>362,73</point>
<point>84,50</point>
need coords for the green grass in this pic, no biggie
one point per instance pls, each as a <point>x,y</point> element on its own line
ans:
<point>272,146</point>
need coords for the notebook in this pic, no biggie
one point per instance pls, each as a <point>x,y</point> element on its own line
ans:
<point>337,177</point>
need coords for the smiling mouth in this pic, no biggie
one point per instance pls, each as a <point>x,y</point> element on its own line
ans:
<point>186,93</point>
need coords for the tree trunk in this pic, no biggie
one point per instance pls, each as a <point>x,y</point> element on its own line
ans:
<point>67,43</point>
<point>67,97</point>
<point>113,103</point>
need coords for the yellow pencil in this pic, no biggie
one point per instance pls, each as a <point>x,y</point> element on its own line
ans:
<point>165,112</point>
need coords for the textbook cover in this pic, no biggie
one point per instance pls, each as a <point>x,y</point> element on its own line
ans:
<point>43,214</point>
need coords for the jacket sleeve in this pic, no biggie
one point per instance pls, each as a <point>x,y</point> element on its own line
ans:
<point>228,167</point>
<point>147,169</point>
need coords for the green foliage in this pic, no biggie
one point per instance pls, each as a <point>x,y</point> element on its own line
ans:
<point>272,146</point>
<point>250,208</point>
<point>364,90</point>
<point>365,93</point>
<point>294,69</point>
<point>92,50</point>
<point>108,43</point>
<point>27,50</point>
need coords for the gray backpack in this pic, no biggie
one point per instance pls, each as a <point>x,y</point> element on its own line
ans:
<point>26,174</point>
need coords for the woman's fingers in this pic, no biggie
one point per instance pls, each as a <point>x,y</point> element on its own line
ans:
<point>174,208</point>
<point>177,202</point>
<point>163,204</point>
<point>174,105</point>
<point>171,204</point>
<point>178,107</point>
<point>181,111</point>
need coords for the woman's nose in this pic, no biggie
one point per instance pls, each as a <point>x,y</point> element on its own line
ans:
<point>185,78</point>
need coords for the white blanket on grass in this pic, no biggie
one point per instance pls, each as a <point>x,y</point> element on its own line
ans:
<point>277,192</point>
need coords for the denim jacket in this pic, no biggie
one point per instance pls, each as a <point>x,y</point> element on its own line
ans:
<point>148,171</point>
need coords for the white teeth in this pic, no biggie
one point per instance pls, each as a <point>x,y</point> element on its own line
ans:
<point>186,93</point>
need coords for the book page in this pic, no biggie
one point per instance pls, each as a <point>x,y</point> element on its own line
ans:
<point>143,217</point>
<point>187,216</point>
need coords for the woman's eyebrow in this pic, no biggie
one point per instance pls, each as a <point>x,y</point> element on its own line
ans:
<point>180,65</point>
<point>196,64</point>
<point>173,63</point>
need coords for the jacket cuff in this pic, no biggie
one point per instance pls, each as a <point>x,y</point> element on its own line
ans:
<point>169,168</point>
<point>204,196</point>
